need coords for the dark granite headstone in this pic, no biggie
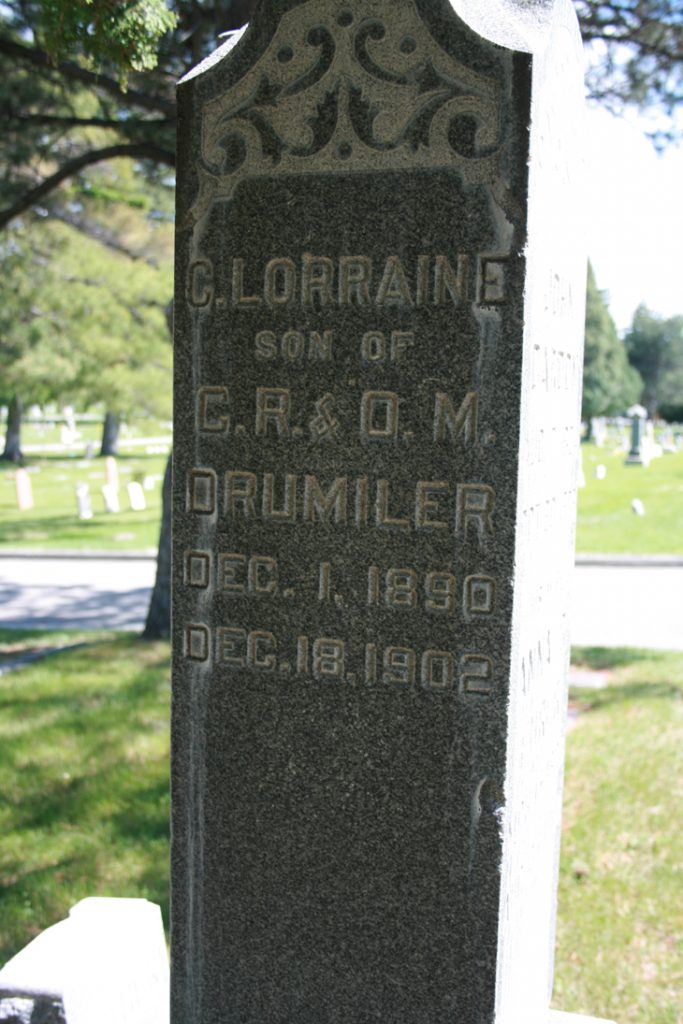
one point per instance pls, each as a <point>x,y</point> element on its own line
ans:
<point>638,416</point>
<point>378,329</point>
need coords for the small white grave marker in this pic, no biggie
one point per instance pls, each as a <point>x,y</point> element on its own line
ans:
<point>24,490</point>
<point>136,496</point>
<point>84,502</point>
<point>111,498</point>
<point>600,472</point>
<point>111,471</point>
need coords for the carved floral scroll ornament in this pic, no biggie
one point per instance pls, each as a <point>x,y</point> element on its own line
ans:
<point>341,89</point>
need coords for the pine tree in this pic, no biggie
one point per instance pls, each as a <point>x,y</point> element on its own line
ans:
<point>655,348</point>
<point>610,384</point>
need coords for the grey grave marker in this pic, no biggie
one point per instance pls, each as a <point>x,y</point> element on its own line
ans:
<point>638,415</point>
<point>378,328</point>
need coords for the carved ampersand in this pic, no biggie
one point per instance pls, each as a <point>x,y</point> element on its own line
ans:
<point>343,89</point>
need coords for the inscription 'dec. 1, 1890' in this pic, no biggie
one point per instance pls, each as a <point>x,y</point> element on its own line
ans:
<point>349,357</point>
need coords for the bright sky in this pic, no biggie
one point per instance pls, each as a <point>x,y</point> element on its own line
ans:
<point>635,217</point>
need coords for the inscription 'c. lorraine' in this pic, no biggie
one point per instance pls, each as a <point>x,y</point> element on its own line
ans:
<point>314,281</point>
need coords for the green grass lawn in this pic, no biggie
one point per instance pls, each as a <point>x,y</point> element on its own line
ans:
<point>84,775</point>
<point>54,522</point>
<point>39,433</point>
<point>620,919</point>
<point>606,521</point>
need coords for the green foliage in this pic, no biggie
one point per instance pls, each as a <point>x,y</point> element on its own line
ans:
<point>82,302</point>
<point>610,384</point>
<point>123,32</point>
<point>655,348</point>
<point>635,55</point>
<point>64,62</point>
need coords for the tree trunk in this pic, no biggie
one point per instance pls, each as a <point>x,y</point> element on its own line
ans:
<point>12,452</point>
<point>158,625</point>
<point>110,434</point>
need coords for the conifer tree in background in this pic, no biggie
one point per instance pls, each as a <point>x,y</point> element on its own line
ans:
<point>610,383</point>
<point>655,348</point>
<point>80,322</point>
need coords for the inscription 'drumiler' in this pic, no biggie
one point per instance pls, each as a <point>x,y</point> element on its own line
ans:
<point>239,494</point>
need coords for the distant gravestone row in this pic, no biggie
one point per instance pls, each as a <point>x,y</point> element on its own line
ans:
<point>110,491</point>
<point>639,440</point>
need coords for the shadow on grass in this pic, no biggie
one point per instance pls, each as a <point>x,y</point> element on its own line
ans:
<point>596,700</point>
<point>39,638</point>
<point>85,774</point>
<point>602,658</point>
<point>14,531</point>
<point>64,460</point>
<point>70,529</point>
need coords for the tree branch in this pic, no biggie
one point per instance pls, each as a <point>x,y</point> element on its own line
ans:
<point>126,126</point>
<point>142,150</point>
<point>75,72</point>
<point>655,49</point>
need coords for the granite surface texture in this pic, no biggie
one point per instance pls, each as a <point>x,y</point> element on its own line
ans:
<point>349,324</point>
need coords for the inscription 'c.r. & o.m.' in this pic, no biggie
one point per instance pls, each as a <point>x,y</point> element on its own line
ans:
<point>379,415</point>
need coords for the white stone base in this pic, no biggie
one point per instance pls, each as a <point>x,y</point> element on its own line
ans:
<point>106,962</point>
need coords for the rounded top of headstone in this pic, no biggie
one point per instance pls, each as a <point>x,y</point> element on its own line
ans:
<point>522,25</point>
<point>229,42</point>
<point>514,24</point>
<point>637,410</point>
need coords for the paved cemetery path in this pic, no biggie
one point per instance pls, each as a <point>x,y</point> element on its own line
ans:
<point>75,592</point>
<point>632,605</point>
